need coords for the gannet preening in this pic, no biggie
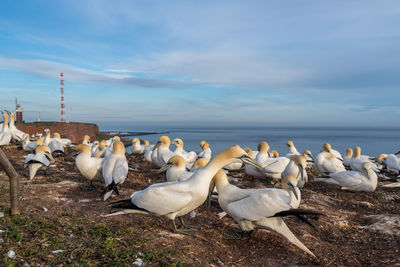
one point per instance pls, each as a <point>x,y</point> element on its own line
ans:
<point>292,149</point>
<point>176,169</point>
<point>109,149</point>
<point>206,152</point>
<point>190,157</point>
<point>262,208</point>
<point>347,157</point>
<point>115,169</point>
<point>27,144</point>
<point>366,180</point>
<point>391,161</point>
<point>356,161</point>
<point>16,134</point>
<point>328,148</point>
<point>55,144</point>
<point>5,135</point>
<point>39,160</point>
<point>90,167</point>
<point>175,199</point>
<point>326,162</point>
<point>297,168</point>
<point>137,148</point>
<point>163,152</point>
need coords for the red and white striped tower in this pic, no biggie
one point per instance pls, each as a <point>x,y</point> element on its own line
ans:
<point>62,98</point>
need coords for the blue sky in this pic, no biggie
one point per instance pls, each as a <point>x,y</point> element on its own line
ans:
<point>203,62</point>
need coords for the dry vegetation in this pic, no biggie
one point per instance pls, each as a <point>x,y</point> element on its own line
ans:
<point>59,212</point>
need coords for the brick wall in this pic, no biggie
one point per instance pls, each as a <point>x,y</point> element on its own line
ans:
<point>73,131</point>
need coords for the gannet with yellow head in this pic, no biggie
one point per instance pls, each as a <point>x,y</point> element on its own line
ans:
<point>16,134</point>
<point>297,168</point>
<point>5,135</point>
<point>39,160</point>
<point>27,144</point>
<point>206,151</point>
<point>176,169</point>
<point>55,144</point>
<point>175,199</point>
<point>365,181</point>
<point>163,152</point>
<point>115,169</point>
<point>292,149</point>
<point>190,157</point>
<point>347,157</point>
<point>137,148</point>
<point>90,167</point>
<point>357,160</point>
<point>262,208</point>
<point>326,162</point>
<point>263,152</point>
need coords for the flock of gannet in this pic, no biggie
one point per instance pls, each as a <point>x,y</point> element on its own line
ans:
<point>191,177</point>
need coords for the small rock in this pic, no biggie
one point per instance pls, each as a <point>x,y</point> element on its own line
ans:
<point>138,262</point>
<point>84,200</point>
<point>1,214</point>
<point>45,209</point>
<point>192,214</point>
<point>11,254</point>
<point>58,251</point>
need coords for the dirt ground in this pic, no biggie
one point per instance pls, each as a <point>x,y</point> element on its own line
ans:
<point>60,224</point>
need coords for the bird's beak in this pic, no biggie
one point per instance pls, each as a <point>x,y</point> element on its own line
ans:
<point>9,114</point>
<point>247,160</point>
<point>157,145</point>
<point>293,190</point>
<point>165,167</point>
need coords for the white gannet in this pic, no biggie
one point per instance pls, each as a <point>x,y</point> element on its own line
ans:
<point>148,151</point>
<point>356,161</point>
<point>47,137</point>
<point>206,152</point>
<point>391,161</point>
<point>250,170</point>
<point>347,157</point>
<point>64,141</point>
<point>200,162</point>
<point>86,140</point>
<point>190,157</point>
<point>292,149</point>
<point>335,152</point>
<point>16,134</point>
<point>5,135</point>
<point>326,162</point>
<point>39,160</point>
<point>309,157</point>
<point>251,152</point>
<point>115,169</point>
<point>109,150</point>
<point>55,144</point>
<point>27,144</point>
<point>163,152</point>
<point>261,208</point>
<point>137,148</point>
<point>102,149</point>
<point>263,152</point>
<point>176,169</point>
<point>274,154</point>
<point>95,148</point>
<point>273,167</point>
<point>366,180</point>
<point>297,168</point>
<point>90,167</point>
<point>175,199</point>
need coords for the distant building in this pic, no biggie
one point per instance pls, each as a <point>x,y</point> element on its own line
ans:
<point>18,112</point>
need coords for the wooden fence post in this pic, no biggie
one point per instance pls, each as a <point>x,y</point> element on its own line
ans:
<point>13,176</point>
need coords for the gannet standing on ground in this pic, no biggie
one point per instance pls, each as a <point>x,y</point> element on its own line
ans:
<point>366,180</point>
<point>5,135</point>
<point>137,148</point>
<point>206,152</point>
<point>16,134</point>
<point>163,152</point>
<point>88,166</point>
<point>27,144</point>
<point>47,138</point>
<point>326,162</point>
<point>190,157</point>
<point>292,149</point>
<point>176,169</point>
<point>261,208</point>
<point>297,168</point>
<point>115,169</point>
<point>109,149</point>
<point>175,199</point>
<point>39,160</point>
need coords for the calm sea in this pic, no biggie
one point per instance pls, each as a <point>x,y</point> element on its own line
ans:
<point>373,141</point>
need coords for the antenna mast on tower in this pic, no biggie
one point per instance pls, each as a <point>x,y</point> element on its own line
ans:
<point>62,119</point>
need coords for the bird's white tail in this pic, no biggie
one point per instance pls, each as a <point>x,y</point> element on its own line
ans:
<point>278,225</point>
